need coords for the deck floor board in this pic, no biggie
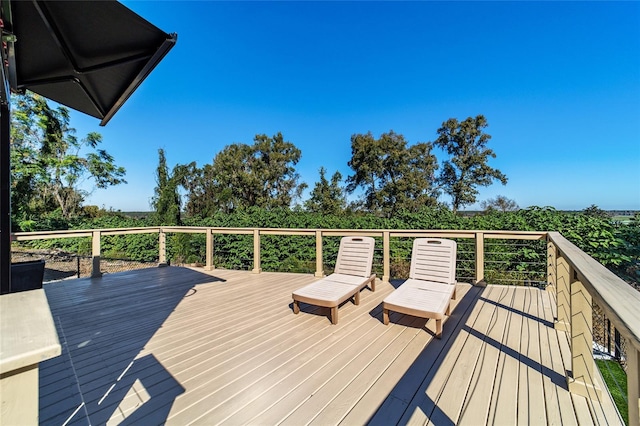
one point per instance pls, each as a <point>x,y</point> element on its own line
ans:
<point>184,346</point>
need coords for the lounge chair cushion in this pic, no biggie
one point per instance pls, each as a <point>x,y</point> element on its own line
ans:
<point>352,274</point>
<point>325,293</point>
<point>345,279</point>
<point>420,299</point>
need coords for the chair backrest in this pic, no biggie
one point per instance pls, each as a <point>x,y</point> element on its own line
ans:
<point>433,259</point>
<point>355,256</point>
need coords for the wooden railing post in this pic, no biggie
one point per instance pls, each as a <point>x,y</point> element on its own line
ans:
<point>256,252</point>
<point>319,262</point>
<point>479,258</point>
<point>162,248</point>
<point>209,251</point>
<point>633,385</point>
<point>582,363</point>
<point>386,256</point>
<point>95,255</point>
<point>563,293</point>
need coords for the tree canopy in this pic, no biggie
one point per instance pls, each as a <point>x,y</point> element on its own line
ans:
<point>466,143</point>
<point>327,197</point>
<point>47,161</point>
<point>390,176</point>
<point>262,174</point>
<point>394,176</point>
<point>166,201</point>
<point>499,203</point>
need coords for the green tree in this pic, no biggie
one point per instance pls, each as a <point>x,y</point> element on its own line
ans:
<point>47,165</point>
<point>242,176</point>
<point>167,204</point>
<point>327,197</point>
<point>500,203</point>
<point>596,211</point>
<point>166,200</point>
<point>394,176</point>
<point>200,196</point>
<point>467,168</point>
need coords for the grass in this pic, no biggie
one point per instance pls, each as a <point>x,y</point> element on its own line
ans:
<point>616,380</point>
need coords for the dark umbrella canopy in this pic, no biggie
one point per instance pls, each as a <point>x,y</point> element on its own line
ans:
<point>87,55</point>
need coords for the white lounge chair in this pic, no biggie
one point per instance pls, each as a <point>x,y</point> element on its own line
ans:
<point>352,273</point>
<point>431,284</point>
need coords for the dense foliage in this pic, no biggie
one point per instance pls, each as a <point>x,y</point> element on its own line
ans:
<point>48,162</point>
<point>166,200</point>
<point>615,245</point>
<point>327,197</point>
<point>393,175</point>
<point>259,175</point>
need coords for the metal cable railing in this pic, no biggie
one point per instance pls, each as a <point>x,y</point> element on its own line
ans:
<point>62,265</point>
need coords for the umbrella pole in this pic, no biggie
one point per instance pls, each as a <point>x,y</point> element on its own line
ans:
<point>5,200</point>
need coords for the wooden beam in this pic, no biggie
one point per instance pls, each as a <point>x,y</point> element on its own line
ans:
<point>319,262</point>
<point>386,257</point>
<point>563,294</point>
<point>618,300</point>
<point>256,252</point>
<point>95,255</point>
<point>162,248</point>
<point>479,258</point>
<point>209,266</point>
<point>582,363</point>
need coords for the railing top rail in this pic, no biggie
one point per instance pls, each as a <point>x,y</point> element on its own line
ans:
<point>72,233</point>
<point>26,236</point>
<point>187,229</point>
<point>461,233</point>
<point>619,301</point>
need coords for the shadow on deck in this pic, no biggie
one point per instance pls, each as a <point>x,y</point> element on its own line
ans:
<point>103,324</point>
<point>177,346</point>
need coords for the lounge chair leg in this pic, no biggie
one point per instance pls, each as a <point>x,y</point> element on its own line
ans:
<point>356,298</point>
<point>385,316</point>
<point>296,307</point>
<point>439,328</point>
<point>334,315</point>
<point>455,291</point>
<point>448,311</point>
<point>372,283</point>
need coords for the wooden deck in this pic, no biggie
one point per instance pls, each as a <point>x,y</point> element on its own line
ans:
<point>184,346</point>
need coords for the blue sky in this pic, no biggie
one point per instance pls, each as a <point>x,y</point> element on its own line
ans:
<point>559,83</point>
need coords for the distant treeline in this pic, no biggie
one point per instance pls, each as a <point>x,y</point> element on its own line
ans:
<point>612,213</point>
